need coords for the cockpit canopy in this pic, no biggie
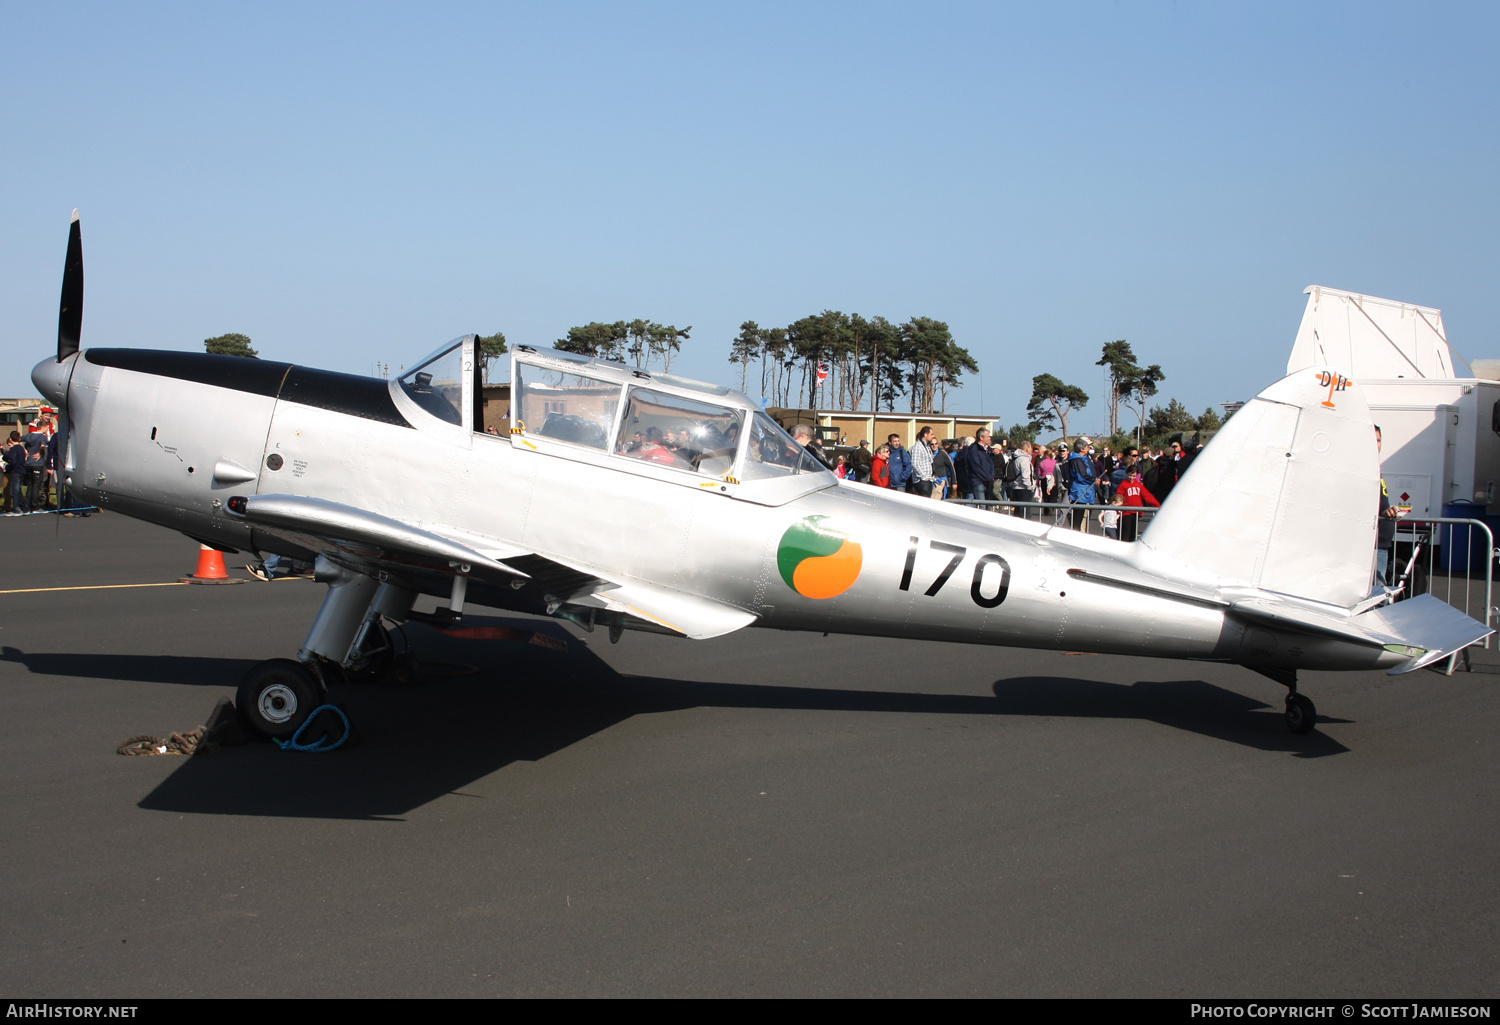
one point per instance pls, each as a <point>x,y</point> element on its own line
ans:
<point>655,421</point>
<point>643,422</point>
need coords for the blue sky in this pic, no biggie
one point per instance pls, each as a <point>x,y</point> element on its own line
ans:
<point>355,183</point>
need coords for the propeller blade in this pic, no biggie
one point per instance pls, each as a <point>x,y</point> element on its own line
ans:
<point>70,312</point>
<point>64,462</point>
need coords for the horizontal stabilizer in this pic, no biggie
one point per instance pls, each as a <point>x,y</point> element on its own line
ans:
<point>1286,616</point>
<point>1424,628</point>
<point>1428,626</point>
<point>686,614</point>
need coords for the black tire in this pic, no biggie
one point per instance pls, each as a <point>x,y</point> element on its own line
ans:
<point>276,697</point>
<point>1301,715</point>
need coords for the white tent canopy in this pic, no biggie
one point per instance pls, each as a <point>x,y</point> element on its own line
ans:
<point>1371,338</point>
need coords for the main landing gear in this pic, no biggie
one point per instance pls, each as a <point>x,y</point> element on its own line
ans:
<point>347,640</point>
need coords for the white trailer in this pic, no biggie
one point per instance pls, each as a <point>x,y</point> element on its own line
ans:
<point>1441,431</point>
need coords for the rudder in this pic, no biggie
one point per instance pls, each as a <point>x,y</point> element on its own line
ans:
<point>1285,497</point>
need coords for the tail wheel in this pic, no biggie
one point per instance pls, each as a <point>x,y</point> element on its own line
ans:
<point>1300,713</point>
<point>276,697</point>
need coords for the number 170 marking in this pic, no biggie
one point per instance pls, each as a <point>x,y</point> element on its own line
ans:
<point>957,553</point>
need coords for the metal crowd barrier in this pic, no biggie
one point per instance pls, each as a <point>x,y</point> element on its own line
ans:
<point>1064,513</point>
<point>1451,558</point>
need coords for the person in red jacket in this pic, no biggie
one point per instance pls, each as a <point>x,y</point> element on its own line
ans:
<point>880,467</point>
<point>1136,497</point>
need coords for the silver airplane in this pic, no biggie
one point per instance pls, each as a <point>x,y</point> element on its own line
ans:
<point>624,499</point>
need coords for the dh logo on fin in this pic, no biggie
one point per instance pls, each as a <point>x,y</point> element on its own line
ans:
<point>1333,382</point>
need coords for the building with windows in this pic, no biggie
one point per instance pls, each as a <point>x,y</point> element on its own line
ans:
<point>842,427</point>
<point>15,413</point>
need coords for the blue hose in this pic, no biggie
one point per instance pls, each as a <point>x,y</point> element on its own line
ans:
<point>322,742</point>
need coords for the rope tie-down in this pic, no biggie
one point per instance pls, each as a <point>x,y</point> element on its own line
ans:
<point>222,729</point>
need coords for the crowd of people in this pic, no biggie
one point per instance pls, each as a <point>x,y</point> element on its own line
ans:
<point>976,468</point>
<point>981,468</point>
<point>30,461</point>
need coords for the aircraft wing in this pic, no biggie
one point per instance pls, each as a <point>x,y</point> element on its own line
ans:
<point>361,536</point>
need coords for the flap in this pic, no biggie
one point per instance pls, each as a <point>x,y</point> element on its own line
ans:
<point>686,614</point>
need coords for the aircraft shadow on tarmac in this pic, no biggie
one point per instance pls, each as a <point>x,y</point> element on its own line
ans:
<point>419,742</point>
<point>179,669</point>
<point>1192,705</point>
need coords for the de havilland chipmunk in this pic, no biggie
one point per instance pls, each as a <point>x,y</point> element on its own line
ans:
<point>1262,555</point>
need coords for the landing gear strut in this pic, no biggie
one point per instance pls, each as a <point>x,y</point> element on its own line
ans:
<point>347,639</point>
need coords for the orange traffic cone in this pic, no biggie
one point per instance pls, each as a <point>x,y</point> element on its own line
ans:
<point>210,568</point>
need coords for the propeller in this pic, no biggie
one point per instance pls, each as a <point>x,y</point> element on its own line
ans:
<point>70,311</point>
<point>69,331</point>
<point>51,377</point>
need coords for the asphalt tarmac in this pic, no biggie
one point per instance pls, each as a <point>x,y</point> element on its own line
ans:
<point>765,814</point>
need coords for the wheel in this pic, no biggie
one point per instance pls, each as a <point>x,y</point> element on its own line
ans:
<point>276,696</point>
<point>1300,713</point>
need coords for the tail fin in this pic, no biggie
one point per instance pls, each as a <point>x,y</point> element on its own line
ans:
<point>1285,497</point>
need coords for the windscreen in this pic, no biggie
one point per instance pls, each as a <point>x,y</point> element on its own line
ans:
<point>437,385</point>
<point>773,453</point>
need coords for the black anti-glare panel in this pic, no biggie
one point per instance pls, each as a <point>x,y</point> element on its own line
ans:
<point>256,376</point>
<point>367,397</point>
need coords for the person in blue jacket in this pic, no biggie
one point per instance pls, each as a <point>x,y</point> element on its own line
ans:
<point>976,469</point>
<point>1083,473</point>
<point>900,464</point>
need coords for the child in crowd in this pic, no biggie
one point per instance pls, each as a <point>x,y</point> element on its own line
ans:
<point>1109,519</point>
<point>1134,495</point>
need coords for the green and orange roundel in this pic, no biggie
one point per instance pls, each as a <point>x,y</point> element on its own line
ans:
<point>817,561</point>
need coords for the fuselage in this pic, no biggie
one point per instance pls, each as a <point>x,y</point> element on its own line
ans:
<point>169,437</point>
